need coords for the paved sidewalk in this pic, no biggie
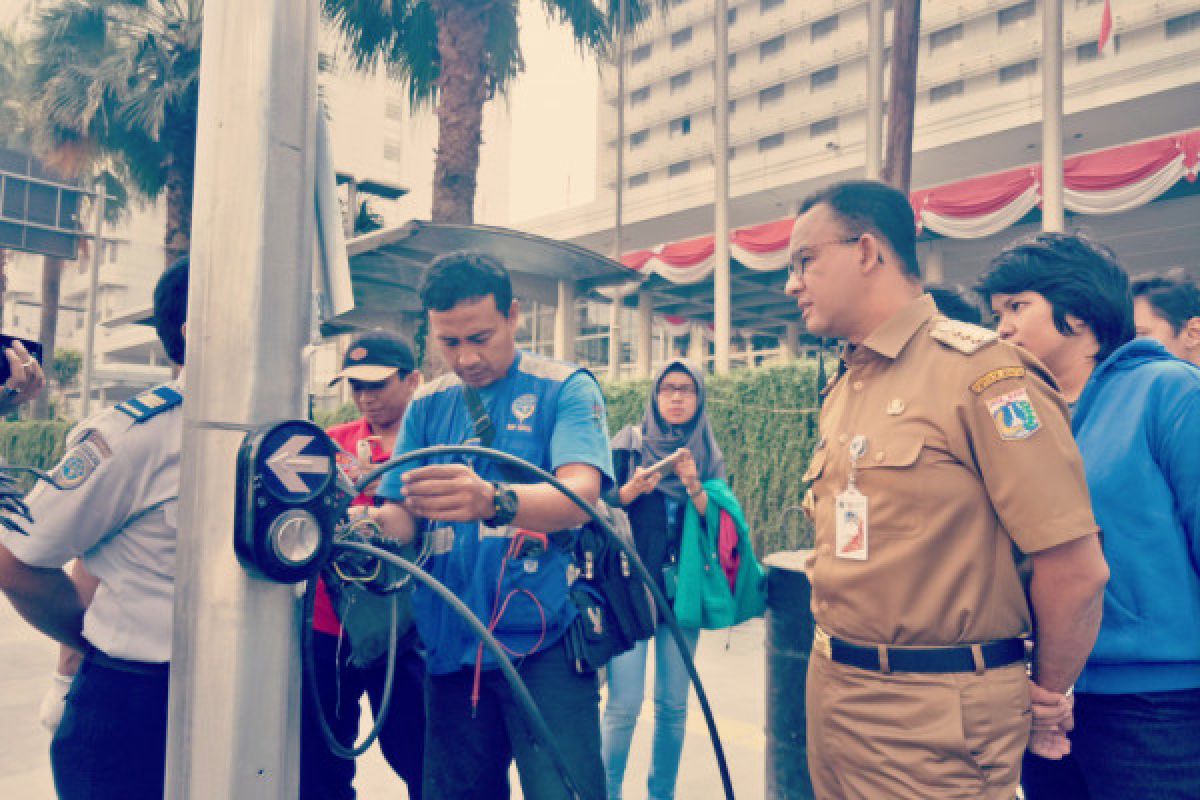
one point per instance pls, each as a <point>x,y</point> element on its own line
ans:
<point>733,676</point>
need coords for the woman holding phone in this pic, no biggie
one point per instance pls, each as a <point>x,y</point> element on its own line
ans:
<point>660,464</point>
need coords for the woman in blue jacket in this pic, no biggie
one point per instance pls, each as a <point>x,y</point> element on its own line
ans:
<point>1136,418</point>
<point>674,420</point>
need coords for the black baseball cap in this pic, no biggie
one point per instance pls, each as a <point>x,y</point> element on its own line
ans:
<point>376,357</point>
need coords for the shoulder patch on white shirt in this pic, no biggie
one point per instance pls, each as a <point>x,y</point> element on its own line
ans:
<point>80,461</point>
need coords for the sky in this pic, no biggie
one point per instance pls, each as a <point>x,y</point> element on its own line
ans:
<point>554,107</point>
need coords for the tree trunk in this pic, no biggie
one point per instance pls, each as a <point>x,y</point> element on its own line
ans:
<point>178,238</point>
<point>48,328</point>
<point>462,88</point>
<point>902,94</point>
<point>3,283</point>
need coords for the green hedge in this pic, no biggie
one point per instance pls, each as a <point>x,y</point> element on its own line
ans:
<point>764,420</point>
<point>766,424</point>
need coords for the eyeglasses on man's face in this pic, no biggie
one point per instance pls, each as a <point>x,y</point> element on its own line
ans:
<point>804,255</point>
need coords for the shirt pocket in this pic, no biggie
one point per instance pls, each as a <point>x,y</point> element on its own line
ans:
<point>888,473</point>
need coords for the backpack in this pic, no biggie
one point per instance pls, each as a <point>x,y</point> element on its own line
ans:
<point>616,609</point>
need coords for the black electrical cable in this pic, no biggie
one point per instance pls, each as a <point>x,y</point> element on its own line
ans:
<point>310,679</point>
<point>521,694</point>
<point>631,552</point>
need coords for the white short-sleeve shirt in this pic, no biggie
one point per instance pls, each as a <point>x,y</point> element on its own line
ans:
<point>118,513</point>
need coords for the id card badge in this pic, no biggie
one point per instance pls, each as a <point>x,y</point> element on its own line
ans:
<point>851,528</point>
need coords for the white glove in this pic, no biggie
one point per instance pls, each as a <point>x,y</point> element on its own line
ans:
<point>54,702</point>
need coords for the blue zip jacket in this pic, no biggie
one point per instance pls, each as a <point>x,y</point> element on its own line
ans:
<point>1137,424</point>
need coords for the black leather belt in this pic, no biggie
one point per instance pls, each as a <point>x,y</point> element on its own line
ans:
<point>960,658</point>
<point>151,669</point>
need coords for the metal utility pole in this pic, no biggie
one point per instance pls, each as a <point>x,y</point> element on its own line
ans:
<point>89,337</point>
<point>235,672</point>
<point>1053,216</point>
<point>873,145</point>
<point>906,37</point>
<point>614,318</point>
<point>722,311</point>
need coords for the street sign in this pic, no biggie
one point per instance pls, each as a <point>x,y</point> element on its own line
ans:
<point>297,461</point>
<point>39,209</point>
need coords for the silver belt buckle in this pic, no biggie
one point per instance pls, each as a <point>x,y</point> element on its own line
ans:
<point>821,642</point>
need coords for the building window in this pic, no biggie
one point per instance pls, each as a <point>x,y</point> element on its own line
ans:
<point>732,153</point>
<point>678,2</point>
<point>1087,52</point>
<point>732,60</point>
<point>1181,26</point>
<point>732,106</point>
<point>638,138</point>
<point>770,95</point>
<point>824,27</point>
<point>767,5</point>
<point>392,150</point>
<point>731,16</point>
<point>1017,72</point>
<point>681,38</point>
<point>772,47</point>
<point>1086,3</point>
<point>823,127</point>
<point>641,54</point>
<point>770,142</point>
<point>681,126</point>
<point>639,96</point>
<point>823,78</point>
<point>1013,15</point>
<point>678,168</point>
<point>947,91</point>
<point>394,109</point>
<point>641,179</point>
<point>680,82</point>
<point>945,37</point>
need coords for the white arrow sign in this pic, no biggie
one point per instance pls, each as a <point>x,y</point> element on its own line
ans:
<point>288,464</point>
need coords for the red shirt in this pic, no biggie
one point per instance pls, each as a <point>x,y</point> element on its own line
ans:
<point>348,435</point>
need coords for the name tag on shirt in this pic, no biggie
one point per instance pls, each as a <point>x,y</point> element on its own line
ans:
<point>850,525</point>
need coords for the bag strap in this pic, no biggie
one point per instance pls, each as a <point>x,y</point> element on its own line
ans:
<point>485,432</point>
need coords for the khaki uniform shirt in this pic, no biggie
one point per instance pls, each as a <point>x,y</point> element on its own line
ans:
<point>968,451</point>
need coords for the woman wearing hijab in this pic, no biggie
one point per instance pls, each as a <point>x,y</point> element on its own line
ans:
<point>675,420</point>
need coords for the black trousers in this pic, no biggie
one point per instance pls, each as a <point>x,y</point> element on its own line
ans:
<point>324,776</point>
<point>112,741</point>
<point>468,752</point>
<point>1125,746</point>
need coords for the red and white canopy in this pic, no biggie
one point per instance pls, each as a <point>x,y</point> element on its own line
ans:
<point>1102,182</point>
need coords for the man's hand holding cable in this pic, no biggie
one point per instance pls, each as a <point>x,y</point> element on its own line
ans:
<point>448,493</point>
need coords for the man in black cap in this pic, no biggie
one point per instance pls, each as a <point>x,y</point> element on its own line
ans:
<point>382,373</point>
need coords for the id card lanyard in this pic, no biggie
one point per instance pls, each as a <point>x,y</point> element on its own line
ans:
<point>851,527</point>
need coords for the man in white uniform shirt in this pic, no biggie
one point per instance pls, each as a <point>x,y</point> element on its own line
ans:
<point>114,507</point>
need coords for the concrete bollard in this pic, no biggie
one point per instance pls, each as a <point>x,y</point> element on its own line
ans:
<point>789,623</point>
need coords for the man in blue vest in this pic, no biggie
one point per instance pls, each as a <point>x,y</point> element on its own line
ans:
<point>474,518</point>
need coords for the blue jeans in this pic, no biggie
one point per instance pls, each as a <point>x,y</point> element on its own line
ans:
<point>626,688</point>
<point>1125,746</point>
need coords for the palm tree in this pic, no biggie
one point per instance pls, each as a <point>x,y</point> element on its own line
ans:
<point>459,54</point>
<point>13,132</point>
<point>120,82</point>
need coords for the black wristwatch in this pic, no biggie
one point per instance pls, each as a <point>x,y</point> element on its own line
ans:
<point>504,508</point>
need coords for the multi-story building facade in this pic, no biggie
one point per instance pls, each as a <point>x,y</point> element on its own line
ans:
<point>797,117</point>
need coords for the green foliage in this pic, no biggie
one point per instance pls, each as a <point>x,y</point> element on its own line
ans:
<point>766,423</point>
<point>67,366</point>
<point>344,413</point>
<point>33,443</point>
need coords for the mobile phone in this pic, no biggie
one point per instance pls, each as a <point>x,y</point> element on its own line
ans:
<point>667,465</point>
<point>6,341</point>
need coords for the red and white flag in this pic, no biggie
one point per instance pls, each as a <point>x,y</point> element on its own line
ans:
<point>1105,28</point>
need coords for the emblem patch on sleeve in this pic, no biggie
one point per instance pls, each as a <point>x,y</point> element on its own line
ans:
<point>995,376</point>
<point>1014,415</point>
<point>78,464</point>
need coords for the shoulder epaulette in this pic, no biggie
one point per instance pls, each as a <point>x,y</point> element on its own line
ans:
<point>961,336</point>
<point>150,404</point>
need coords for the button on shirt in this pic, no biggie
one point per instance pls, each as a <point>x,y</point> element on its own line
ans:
<point>965,451</point>
<point>120,518</point>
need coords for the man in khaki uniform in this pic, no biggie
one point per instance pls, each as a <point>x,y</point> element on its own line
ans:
<point>941,448</point>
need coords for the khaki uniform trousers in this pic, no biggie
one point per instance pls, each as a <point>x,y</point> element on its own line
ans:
<point>873,736</point>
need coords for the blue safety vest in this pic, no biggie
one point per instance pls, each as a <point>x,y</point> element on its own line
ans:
<point>528,606</point>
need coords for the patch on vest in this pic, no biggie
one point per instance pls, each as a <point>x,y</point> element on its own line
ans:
<point>1014,415</point>
<point>995,376</point>
<point>961,336</point>
<point>79,463</point>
